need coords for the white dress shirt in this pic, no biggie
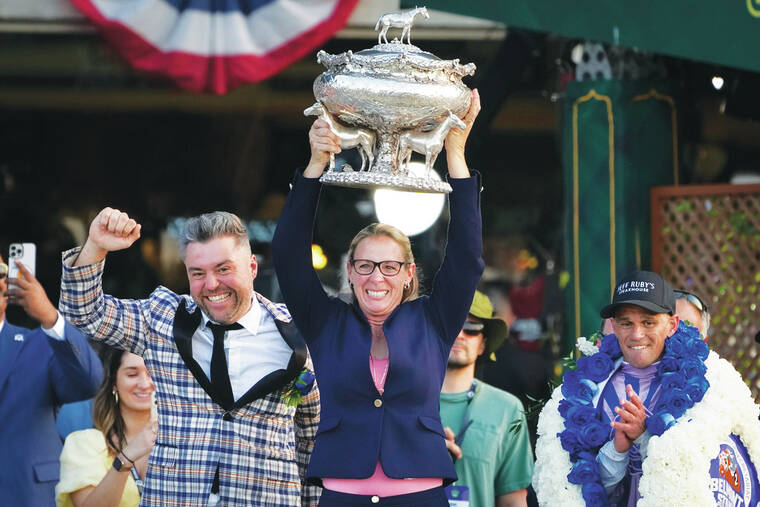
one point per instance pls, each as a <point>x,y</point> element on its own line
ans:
<point>252,352</point>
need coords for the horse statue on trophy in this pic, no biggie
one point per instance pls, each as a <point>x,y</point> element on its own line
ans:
<point>429,144</point>
<point>403,20</point>
<point>350,137</point>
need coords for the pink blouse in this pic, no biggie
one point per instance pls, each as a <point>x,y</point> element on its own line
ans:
<point>378,483</point>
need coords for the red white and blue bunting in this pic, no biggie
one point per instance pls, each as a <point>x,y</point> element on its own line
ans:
<point>216,45</point>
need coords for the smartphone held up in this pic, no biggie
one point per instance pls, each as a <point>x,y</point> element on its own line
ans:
<point>24,252</point>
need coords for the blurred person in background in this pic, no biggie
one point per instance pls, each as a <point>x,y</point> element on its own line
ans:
<point>692,310</point>
<point>106,465</point>
<point>523,366</point>
<point>485,427</point>
<point>39,370</point>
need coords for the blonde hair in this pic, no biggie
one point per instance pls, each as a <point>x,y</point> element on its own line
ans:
<point>106,413</point>
<point>376,229</point>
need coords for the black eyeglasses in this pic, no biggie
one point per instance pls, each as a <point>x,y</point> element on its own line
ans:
<point>366,266</point>
<point>3,270</point>
<point>691,298</point>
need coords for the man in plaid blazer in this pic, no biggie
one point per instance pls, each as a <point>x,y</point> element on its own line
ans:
<point>229,438</point>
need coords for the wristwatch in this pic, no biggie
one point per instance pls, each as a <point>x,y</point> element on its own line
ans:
<point>121,466</point>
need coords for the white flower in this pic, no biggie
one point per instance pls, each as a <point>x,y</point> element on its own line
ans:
<point>587,347</point>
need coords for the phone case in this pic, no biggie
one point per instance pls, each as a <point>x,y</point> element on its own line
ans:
<point>26,253</point>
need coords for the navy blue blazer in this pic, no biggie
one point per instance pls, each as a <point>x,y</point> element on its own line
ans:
<point>37,375</point>
<point>402,427</point>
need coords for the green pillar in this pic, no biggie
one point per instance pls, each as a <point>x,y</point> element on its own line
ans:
<point>619,139</point>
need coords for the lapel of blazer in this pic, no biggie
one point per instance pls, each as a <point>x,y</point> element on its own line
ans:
<point>185,324</point>
<point>9,349</point>
<point>279,378</point>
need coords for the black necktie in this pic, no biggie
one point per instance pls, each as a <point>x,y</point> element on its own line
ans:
<point>220,377</point>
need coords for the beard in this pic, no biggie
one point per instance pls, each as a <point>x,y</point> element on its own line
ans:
<point>225,316</point>
<point>455,363</point>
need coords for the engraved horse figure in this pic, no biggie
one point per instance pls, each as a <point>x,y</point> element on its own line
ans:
<point>403,20</point>
<point>350,137</point>
<point>429,144</point>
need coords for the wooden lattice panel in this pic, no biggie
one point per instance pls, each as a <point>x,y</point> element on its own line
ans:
<point>706,239</point>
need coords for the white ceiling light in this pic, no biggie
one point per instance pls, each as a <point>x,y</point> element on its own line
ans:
<point>411,212</point>
<point>717,82</point>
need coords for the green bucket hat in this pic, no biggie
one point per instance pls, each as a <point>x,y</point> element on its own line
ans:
<point>494,328</point>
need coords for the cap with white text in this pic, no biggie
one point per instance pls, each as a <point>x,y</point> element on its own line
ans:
<point>644,289</point>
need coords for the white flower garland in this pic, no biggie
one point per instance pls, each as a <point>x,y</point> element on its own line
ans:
<point>676,471</point>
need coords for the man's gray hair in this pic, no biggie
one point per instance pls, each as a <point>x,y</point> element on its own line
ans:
<point>212,225</point>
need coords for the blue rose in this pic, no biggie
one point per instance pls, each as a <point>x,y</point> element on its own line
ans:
<point>659,422</point>
<point>672,381</point>
<point>579,416</point>
<point>578,390</point>
<point>594,494</point>
<point>611,347</point>
<point>697,348</point>
<point>689,331</point>
<point>596,367</point>
<point>564,407</point>
<point>675,346</point>
<point>594,434</point>
<point>305,382</point>
<point>696,388</point>
<point>677,402</point>
<point>569,441</point>
<point>693,367</point>
<point>584,470</point>
<point>668,364</point>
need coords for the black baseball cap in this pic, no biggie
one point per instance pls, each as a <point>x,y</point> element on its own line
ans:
<point>645,289</point>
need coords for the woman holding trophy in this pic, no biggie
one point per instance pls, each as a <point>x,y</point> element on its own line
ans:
<point>381,359</point>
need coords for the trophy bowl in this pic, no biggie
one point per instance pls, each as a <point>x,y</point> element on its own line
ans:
<point>389,101</point>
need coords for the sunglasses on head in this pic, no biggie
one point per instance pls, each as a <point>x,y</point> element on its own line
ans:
<point>472,328</point>
<point>691,298</point>
<point>3,270</point>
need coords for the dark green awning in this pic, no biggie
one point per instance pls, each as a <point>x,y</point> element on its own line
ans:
<point>725,32</point>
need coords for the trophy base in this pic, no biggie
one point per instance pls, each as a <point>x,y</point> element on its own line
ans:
<point>385,180</point>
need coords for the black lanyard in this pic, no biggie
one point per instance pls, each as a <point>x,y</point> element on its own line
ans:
<point>466,421</point>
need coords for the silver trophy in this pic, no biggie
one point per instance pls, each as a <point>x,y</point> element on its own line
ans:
<point>388,101</point>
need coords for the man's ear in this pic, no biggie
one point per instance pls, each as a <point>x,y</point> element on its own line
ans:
<point>482,346</point>
<point>673,325</point>
<point>254,266</point>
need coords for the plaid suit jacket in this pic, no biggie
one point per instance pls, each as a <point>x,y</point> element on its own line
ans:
<point>261,446</point>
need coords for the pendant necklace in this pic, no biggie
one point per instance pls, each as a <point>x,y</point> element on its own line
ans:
<point>374,373</point>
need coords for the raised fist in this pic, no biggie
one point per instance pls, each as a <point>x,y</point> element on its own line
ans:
<point>110,231</point>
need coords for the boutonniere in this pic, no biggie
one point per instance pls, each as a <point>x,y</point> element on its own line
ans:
<point>296,389</point>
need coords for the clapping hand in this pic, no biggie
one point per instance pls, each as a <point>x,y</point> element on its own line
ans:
<point>143,442</point>
<point>631,424</point>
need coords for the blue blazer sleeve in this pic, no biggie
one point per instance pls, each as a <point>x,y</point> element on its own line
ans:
<point>304,296</point>
<point>455,282</point>
<point>75,369</point>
